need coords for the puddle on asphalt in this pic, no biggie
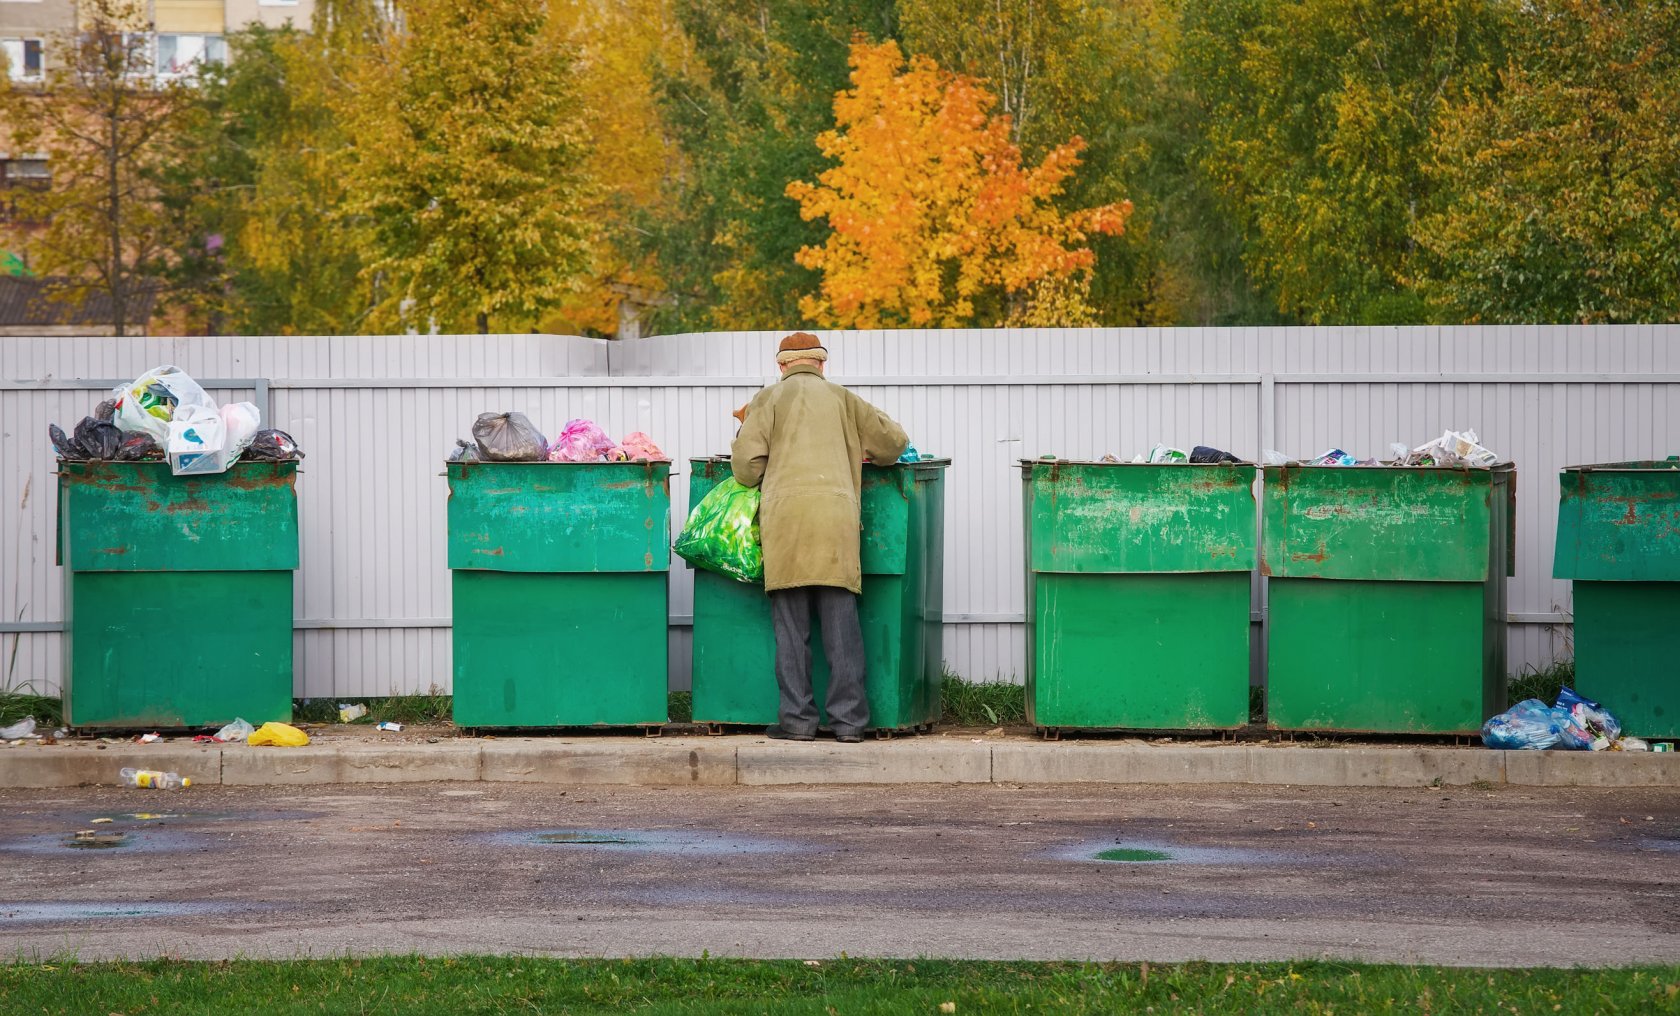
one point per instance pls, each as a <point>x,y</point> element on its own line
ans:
<point>645,841</point>
<point>1131,855</point>
<point>1155,852</point>
<point>23,913</point>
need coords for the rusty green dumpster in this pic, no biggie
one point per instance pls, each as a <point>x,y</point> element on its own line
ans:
<point>559,577</point>
<point>177,593</point>
<point>901,610</point>
<point>1618,540</point>
<point>1139,580</point>
<point>1387,608</point>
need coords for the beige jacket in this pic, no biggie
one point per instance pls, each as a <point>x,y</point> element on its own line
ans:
<point>805,438</point>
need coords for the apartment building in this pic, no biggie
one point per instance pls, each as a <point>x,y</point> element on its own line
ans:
<point>182,31</point>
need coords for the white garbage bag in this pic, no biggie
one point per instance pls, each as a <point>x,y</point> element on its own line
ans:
<point>154,399</point>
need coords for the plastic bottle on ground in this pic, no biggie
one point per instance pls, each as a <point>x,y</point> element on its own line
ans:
<point>152,779</point>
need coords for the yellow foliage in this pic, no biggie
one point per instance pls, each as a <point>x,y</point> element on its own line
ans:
<point>935,219</point>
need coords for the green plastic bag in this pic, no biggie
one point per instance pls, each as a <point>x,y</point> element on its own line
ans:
<point>722,533</point>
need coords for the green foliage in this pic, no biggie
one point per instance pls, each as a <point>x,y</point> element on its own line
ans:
<point>981,705</point>
<point>746,112</point>
<point>1317,116</point>
<point>470,985</point>
<point>465,172</point>
<point>1543,683</point>
<point>48,710</point>
<point>680,706</point>
<point>1563,188</point>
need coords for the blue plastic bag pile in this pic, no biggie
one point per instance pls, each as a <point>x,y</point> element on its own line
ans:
<point>1574,724</point>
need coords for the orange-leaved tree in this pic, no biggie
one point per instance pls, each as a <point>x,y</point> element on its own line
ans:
<point>934,218</point>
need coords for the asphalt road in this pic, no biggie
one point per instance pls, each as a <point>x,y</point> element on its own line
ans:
<point>1455,876</point>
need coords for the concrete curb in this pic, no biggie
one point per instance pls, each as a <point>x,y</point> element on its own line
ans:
<point>752,761</point>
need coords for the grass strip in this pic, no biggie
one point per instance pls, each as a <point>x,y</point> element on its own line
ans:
<point>461,986</point>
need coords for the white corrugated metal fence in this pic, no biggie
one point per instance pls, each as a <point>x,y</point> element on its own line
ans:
<point>376,415</point>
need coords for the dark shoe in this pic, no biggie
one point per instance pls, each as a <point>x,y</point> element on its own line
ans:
<point>776,733</point>
<point>848,736</point>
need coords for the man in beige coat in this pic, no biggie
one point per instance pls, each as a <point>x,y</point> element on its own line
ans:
<point>805,438</point>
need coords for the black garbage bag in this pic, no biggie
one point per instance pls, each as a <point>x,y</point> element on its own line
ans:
<point>106,411</point>
<point>273,446</point>
<point>465,451</point>
<point>66,448</point>
<point>508,437</point>
<point>138,448</point>
<point>1202,453</point>
<point>99,440</point>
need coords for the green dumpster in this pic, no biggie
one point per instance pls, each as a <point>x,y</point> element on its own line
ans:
<point>901,610</point>
<point>559,575</point>
<point>1386,596</point>
<point>177,593</point>
<point>1139,579</point>
<point>1618,538</point>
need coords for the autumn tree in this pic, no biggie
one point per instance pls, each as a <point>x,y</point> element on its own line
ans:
<point>465,165</point>
<point>742,109</point>
<point>1106,72</point>
<point>1564,186</point>
<point>934,218</point>
<point>1317,117</point>
<point>621,44</point>
<point>106,125</point>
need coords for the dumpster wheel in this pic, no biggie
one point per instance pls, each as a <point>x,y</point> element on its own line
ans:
<point>1050,733</point>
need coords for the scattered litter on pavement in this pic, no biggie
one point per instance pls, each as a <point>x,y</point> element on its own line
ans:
<point>18,731</point>
<point>154,779</point>
<point>351,713</point>
<point>389,725</point>
<point>238,730</point>
<point>278,735</point>
<point>151,738</point>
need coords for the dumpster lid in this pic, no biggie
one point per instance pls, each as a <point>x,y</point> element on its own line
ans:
<point>1636,466</point>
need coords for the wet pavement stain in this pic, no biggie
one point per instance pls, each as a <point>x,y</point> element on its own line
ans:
<point>151,841</point>
<point>33,913</point>
<point>650,841</point>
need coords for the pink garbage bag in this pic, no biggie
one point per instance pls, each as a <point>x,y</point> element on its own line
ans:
<point>639,447</point>
<point>580,441</point>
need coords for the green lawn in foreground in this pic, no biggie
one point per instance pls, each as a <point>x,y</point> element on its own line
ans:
<point>468,985</point>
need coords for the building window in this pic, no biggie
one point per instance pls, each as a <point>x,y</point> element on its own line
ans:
<point>25,171</point>
<point>23,58</point>
<point>177,55</point>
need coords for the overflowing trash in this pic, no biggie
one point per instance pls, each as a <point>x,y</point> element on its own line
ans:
<point>165,415</point>
<point>1456,449</point>
<point>721,534</point>
<point>512,437</point>
<point>1573,723</point>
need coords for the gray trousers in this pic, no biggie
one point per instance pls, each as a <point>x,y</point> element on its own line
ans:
<point>842,635</point>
